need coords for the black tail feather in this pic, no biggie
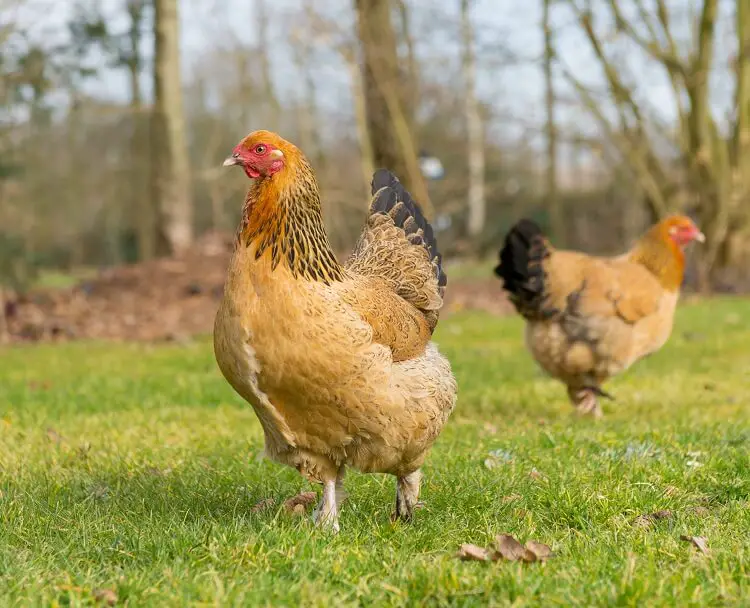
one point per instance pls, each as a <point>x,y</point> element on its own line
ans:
<point>520,267</point>
<point>388,191</point>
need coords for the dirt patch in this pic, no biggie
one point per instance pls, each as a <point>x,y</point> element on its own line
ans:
<point>166,299</point>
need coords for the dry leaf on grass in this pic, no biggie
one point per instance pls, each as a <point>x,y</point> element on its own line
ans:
<point>304,500</point>
<point>540,550</point>
<point>648,519</point>
<point>469,552</point>
<point>54,436</point>
<point>699,542</point>
<point>262,505</point>
<point>511,550</point>
<point>105,596</point>
<point>536,475</point>
<point>511,498</point>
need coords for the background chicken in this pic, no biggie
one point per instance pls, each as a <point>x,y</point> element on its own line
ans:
<point>590,318</point>
<point>335,359</point>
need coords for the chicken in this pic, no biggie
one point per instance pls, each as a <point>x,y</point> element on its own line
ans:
<point>336,360</point>
<point>590,318</point>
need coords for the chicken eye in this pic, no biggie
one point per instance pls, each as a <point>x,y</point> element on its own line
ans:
<point>260,149</point>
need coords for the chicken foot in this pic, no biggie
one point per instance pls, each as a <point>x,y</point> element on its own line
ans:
<point>585,401</point>
<point>407,495</point>
<point>326,514</point>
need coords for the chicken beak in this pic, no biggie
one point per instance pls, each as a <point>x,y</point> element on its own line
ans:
<point>231,160</point>
<point>700,237</point>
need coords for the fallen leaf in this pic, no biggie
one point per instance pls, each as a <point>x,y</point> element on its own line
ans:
<point>54,436</point>
<point>511,498</point>
<point>469,552</point>
<point>647,519</point>
<point>304,499</point>
<point>299,510</point>
<point>540,550</point>
<point>510,549</point>
<point>534,474</point>
<point>262,505</point>
<point>699,542</point>
<point>105,596</point>
<point>700,511</point>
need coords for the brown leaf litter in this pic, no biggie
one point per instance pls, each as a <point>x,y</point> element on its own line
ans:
<point>506,548</point>
<point>168,299</point>
<point>648,519</point>
<point>699,542</point>
<point>301,502</point>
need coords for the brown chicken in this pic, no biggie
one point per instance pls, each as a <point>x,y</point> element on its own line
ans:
<point>335,359</point>
<point>589,318</point>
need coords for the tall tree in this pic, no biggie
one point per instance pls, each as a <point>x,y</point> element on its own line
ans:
<point>474,127</point>
<point>552,199</point>
<point>170,169</point>
<point>131,57</point>
<point>392,139</point>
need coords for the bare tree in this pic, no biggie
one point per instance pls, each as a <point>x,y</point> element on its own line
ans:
<point>392,138</point>
<point>552,199</point>
<point>169,160</point>
<point>711,171</point>
<point>474,127</point>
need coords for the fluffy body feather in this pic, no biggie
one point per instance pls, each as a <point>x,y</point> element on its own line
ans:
<point>335,359</point>
<point>590,318</point>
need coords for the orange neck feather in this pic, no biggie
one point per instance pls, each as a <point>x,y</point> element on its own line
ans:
<point>662,256</point>
<point>282,216</point>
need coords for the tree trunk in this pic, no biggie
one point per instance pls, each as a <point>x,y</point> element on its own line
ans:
<point>169,155</point>
<point>557,227</point>
<point>140,201</point>
<point>474,129</point>
<point>393,141</point>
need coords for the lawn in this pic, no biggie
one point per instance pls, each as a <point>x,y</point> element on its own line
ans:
<point>135,469</point>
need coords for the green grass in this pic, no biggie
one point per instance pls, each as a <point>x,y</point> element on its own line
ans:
<point>134,468</point>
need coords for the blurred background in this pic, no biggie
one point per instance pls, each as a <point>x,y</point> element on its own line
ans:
<point>594,117</point>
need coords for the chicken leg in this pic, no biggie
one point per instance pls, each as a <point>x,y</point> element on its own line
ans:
<point>585,402</point>
<point>326,513</point>
<point>407,495</point>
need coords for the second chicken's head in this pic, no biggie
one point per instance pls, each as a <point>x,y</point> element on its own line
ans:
<point>681,230</point>
<point>261,154</point>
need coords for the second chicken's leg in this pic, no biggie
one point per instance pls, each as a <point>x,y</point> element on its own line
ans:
<point>585,402</point>
<point>407,495</point>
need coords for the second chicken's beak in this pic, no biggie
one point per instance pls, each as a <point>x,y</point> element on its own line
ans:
<point>232,160</point>
<point>700,237</point>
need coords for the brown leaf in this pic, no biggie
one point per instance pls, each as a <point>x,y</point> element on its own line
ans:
<point>54,436</point>
<point>105,596</point>
<point>510,549</point>
<point>304,499</point>
<point>540,550</point>
<point>262,505</point>
<point>699,542</point>
<point>534,474</point>
<point>469,552</point>
<point>647,519</point>
<point>511,498</point>
<point>700,511</point>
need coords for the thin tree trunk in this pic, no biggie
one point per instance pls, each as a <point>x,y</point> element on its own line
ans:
<point>143,204</point>
<point>393,142</point>
<point>552,200</point>
<point>265,65</point>
<point>169,161</point>
<point>474,128</point>
<point>367,161</point>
